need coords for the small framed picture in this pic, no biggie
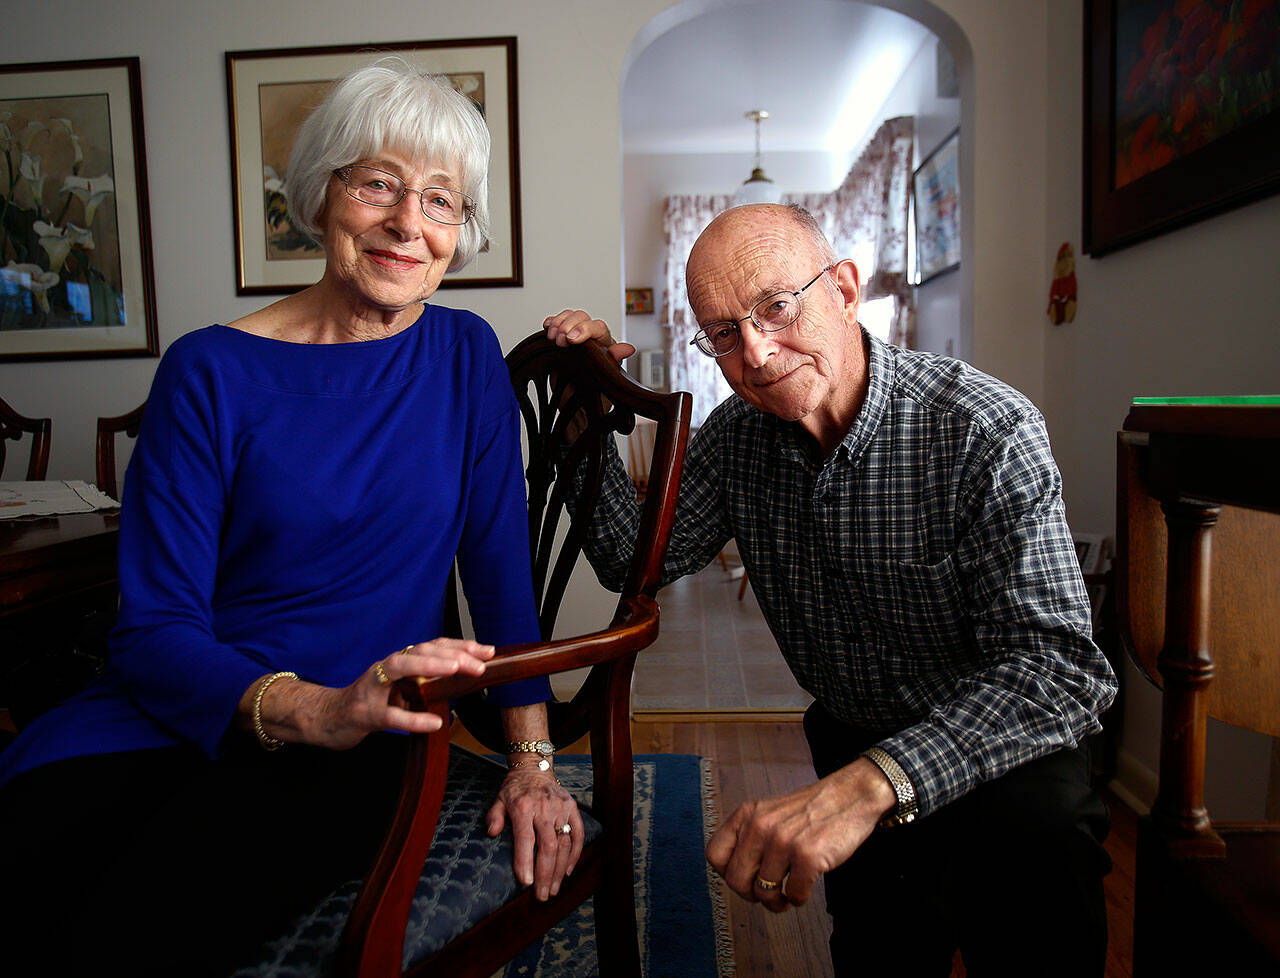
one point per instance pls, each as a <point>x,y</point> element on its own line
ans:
<point>639,302</point>
<point>76,277</point>
<point>935,189</point>
<point>271,92</point>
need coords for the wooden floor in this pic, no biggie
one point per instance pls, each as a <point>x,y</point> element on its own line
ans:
<point>753,760</point>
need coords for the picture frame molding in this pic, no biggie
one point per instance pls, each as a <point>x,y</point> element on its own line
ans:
<point>133,224</point>
<point>1238,168</point>
<point>250,277</point>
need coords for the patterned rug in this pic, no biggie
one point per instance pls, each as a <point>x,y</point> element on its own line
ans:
<point>684,931</point>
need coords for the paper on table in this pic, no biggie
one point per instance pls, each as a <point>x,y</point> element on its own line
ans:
<point>19,499</point>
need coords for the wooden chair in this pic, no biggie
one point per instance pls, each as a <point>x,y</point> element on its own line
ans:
<point>1198,602</point>
<point>559,391</point>
<point>105,456</point>
<point>13,426</point>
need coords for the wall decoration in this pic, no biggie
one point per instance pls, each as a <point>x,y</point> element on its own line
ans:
<point>639,302</point>
<point>1062,290</point>
<point>75,233</point>
<point>935,190</point>
<point>1182,114</point>
<point>271,92</point>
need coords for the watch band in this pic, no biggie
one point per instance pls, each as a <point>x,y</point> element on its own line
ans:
<point>907,809</point>
<point>545,748</point>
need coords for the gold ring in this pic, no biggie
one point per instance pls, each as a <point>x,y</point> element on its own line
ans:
<point>767,885</point>
<point>381,673</point>
<point>565,829</point>
<point>405,650</point>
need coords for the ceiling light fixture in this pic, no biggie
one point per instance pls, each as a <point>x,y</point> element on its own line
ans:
<point>758,189</point>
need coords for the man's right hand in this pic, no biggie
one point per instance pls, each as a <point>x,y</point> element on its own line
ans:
<point>575,326</point>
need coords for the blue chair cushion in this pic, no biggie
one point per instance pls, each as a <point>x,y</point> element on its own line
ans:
<point>466,877</point>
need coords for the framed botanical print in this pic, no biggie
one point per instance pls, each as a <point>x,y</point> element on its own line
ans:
<point>935,191</point>
<point>76,276</point>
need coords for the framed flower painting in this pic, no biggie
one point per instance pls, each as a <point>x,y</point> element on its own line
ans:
<point>76,275</point>
<point>1182,114</point>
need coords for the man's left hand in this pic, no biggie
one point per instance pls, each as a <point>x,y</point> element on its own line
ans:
<point>793,839</point>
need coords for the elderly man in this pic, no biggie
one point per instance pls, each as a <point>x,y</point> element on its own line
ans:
<point>901,519</point>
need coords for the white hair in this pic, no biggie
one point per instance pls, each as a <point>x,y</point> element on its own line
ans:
<point>392,105</point>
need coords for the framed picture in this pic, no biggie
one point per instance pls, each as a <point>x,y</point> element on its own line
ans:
<point>1182,114</point>
<point>935,192</point>
<point>271,92</point>
<point>76,276</point>
<point>639,302</point>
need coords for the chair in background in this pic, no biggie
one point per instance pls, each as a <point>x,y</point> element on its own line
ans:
<point>486,919</point>
<point>13,426</point>
<point>1198,601</point>
<point>105,455</point>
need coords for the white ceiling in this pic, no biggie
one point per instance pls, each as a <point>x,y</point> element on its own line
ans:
<point>822,68</point>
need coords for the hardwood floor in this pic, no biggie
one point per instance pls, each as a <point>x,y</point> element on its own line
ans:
<point>757,759</point>
<point>753,760</point>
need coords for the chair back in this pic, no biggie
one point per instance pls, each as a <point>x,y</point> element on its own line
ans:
<point>573,400</point>
<point>105,455</point>
<point>13,426</point>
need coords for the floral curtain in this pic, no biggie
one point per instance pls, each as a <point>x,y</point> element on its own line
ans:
<point>683,219</point>
<point>865,219</point>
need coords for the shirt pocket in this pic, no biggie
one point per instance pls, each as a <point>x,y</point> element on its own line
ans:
<point>918,607</point>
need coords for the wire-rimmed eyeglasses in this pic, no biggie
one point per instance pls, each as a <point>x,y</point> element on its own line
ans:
<point>776,311</point>
<point>369,185</point>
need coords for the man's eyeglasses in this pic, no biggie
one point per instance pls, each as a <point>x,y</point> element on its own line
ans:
<point>369,185</point>
<point>772,313</point>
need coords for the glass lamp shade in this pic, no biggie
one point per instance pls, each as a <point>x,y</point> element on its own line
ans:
<point>758,189</point>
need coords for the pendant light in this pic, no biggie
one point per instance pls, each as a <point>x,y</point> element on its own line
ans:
<point>758,189</point>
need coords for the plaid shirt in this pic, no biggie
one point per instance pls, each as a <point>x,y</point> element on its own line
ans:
<point>921,582</point>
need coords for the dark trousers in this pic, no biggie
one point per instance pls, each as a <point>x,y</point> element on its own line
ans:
<point>1011,874</point>
<point>161,862</point>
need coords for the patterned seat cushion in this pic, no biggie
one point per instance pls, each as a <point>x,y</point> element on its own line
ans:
<point>466,877</point>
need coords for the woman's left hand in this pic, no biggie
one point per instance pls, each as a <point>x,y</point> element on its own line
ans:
<point>539,809</point>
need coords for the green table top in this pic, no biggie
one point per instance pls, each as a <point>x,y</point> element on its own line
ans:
<point>1247,400</point>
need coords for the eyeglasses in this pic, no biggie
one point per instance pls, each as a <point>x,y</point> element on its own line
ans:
<point>369,185</point>
<point>775,311</point>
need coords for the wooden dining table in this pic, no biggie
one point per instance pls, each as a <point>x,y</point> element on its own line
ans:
<point>52,562</point>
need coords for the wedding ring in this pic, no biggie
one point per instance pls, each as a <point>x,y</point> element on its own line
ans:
<point>565,829</point>
<point>767,885</point>
<point>405,650</point>
<point>381,673</point>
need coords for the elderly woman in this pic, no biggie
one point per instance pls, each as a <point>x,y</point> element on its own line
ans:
<point>303,481</point>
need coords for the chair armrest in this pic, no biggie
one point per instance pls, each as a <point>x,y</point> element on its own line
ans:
<point>634,627</point>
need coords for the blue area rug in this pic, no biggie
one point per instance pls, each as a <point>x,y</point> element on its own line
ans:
<point>684,931</point>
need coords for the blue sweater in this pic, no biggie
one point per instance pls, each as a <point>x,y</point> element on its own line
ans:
<point>297,507</point>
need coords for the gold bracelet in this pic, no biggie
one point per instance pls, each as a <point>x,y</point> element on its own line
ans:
<point>265,739</point>
<point>542,765</point>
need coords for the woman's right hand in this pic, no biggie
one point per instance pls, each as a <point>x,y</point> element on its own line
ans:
<point>341,718</point>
